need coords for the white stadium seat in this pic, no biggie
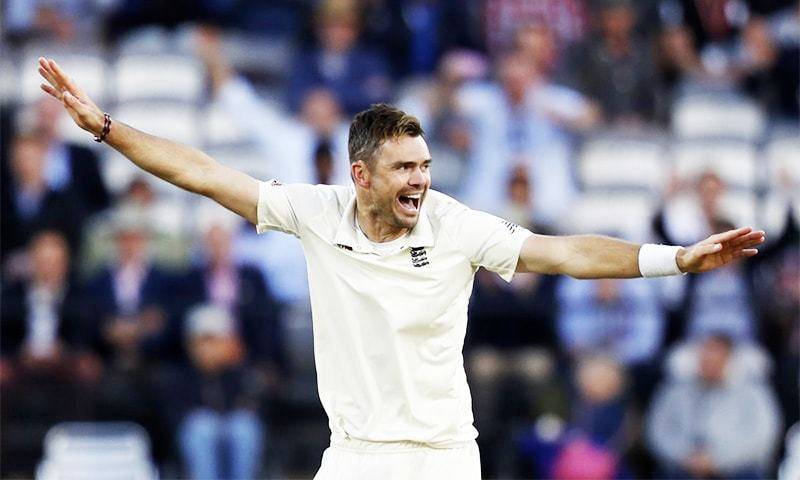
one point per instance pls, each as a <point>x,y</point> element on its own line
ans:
<point>118,172</point>
<point>9,81</point>
<point>149,39</point>
<point>158,76</point>
<point>738,207</point>
<point>219,129</point>
<point>783,154</point>
<point>734,162</point>
<point>773,211</point>
<point>712,116</point>
<point>247,159</point>
<point>625,214</point>
<point>175,121</point>
<point>91,451</point>
<point>620,163</point>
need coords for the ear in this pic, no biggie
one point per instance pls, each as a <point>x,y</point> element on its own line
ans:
<point>360,174</point>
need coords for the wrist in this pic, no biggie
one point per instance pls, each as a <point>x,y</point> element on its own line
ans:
<point>680,259</point>
<point>659,260</point>
<point>99,138</point>
<point>96,124</point>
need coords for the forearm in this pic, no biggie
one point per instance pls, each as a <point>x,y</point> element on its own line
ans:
<point>596,256</point>
<point>580,256</point>
<point>180,165</point>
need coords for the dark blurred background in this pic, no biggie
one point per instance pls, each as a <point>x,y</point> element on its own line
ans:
<point>181,341</point>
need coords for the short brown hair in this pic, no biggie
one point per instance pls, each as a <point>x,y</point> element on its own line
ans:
<point>375,125</point>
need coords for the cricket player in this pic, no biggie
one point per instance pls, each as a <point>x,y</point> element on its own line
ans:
<point>391,265</point>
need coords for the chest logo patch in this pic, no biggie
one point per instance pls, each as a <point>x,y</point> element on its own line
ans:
<point>419,257</point>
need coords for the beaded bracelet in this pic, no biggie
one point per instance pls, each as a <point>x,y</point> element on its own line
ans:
<point>106,128</point>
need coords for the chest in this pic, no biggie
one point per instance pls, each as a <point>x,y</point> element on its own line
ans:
<point>413,285</point>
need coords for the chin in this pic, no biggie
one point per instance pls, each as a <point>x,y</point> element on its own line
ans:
<point>406,222</point>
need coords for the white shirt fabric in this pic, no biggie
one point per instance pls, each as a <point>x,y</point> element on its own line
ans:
<point>389,329</point>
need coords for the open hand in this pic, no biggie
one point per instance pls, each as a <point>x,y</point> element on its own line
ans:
<point>79,106</point>
<point>719,250</point>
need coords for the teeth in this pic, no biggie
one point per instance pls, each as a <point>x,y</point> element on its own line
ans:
<point>416,195</point>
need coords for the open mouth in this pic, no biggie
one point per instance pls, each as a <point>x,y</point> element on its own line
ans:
<point>410,203</point>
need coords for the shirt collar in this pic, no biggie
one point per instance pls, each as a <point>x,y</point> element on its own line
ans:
<point>421,235</point>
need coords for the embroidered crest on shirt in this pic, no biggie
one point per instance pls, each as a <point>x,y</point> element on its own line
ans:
<point>419,257</point>
<point>511,226</point>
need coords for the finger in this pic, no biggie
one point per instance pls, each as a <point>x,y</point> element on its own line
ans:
<point>708,249</point>
<point>72,102</point>
<point>729,235</point>
<point>45,65</point>
<point>46,75</point>
<point>747,252</point>
<point>62,77</point>
<point>750,244</point>
<point>52,91</point>
<point>751,237</point>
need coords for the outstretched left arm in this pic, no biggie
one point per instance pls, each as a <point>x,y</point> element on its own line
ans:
<point>595,256</point>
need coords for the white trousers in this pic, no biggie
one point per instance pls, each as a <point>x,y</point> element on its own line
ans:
<point>400,461</point>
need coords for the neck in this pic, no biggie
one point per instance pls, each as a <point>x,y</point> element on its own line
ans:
<point>376,229</point>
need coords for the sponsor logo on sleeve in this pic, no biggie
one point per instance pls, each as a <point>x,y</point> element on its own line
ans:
<point>511,226</point>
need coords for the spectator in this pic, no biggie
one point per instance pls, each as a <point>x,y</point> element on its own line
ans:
<point>714,423</point>
<point>678,65</point>
<point>569,20</point>
<point>790,466</point>
<point>520,121</point>
<point>725,300</point>
<point>594,440</point>
<point>435,103</point>
<point>309,148</point>
<point>510,346</point>
<point>68,167</point>
<point>211,403</point>
<point>622,319</point>
<point>44,354</point>
<point>241,291</point>
<point>357,76</point>
<point>57,21</point>
<point>616,69</point>
<point>133,298</point>
<point>415,34</point>
<point>767,70</point>
<point>711,22</point>
<point>29,204</point>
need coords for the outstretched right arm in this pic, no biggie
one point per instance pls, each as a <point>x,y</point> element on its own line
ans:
<point>183,166</point>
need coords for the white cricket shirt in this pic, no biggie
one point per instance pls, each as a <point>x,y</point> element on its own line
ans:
<point>389,328</point>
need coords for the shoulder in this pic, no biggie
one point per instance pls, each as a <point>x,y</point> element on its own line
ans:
<point>442,207</point>
<point>446,214</point>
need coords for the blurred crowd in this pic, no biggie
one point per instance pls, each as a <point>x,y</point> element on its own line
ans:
<point>655,120</point>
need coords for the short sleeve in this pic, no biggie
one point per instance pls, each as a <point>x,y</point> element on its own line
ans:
<point>488,241</point>
<point>286,207</point>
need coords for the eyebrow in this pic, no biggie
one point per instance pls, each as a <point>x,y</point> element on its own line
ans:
<point>407,162</point>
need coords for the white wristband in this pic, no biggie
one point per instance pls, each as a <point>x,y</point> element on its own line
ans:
<point>658,260</point>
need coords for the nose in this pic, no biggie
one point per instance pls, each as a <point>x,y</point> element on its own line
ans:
<point>417,178</point>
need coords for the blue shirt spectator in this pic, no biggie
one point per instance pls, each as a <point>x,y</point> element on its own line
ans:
<point>357,76</point>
